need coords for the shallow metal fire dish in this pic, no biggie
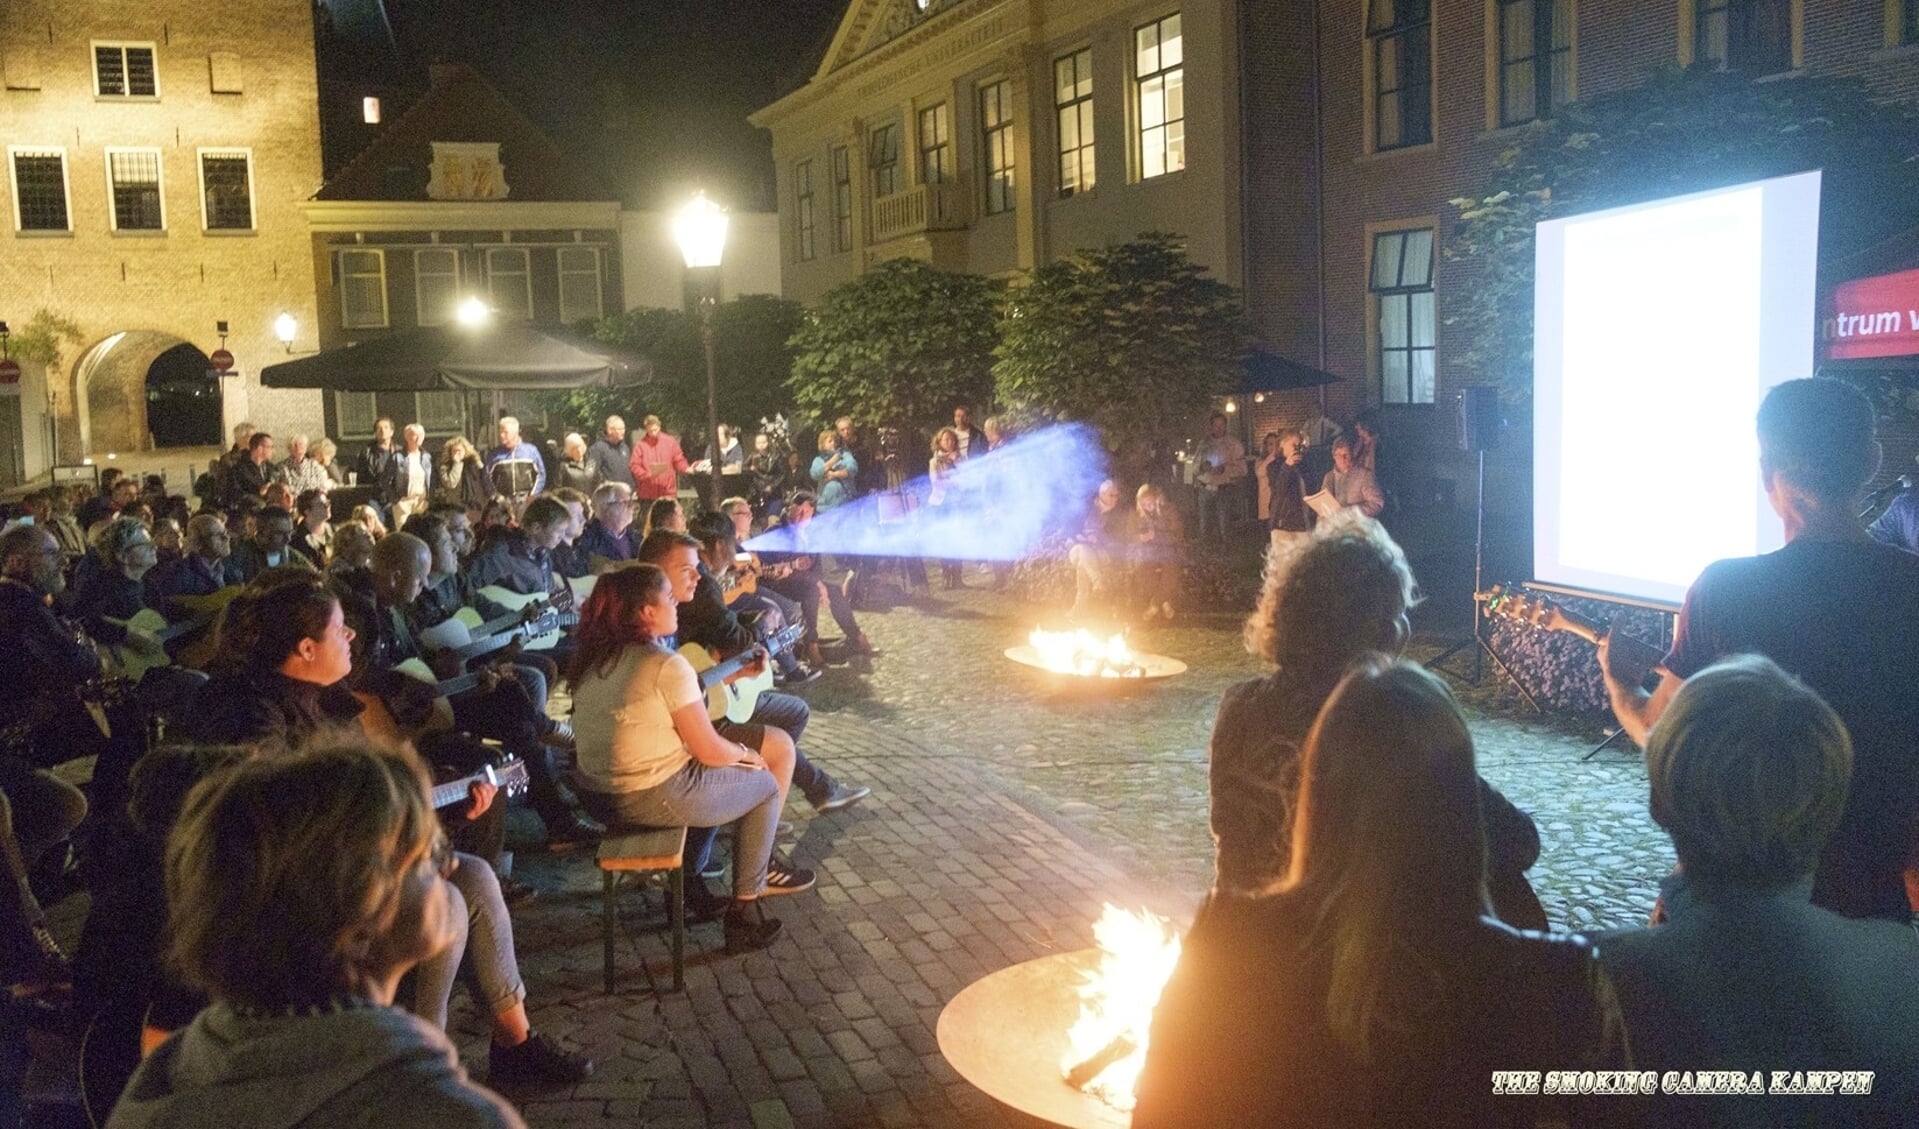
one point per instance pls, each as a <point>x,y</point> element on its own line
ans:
<point>1006,1033</point>
<point>1080,659</point>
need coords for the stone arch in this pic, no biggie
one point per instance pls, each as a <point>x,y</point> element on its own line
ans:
<point>110,389</point>
<point>183,399</point>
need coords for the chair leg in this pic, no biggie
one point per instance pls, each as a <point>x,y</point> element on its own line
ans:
<point>676,915</point>
<point>607,916</point>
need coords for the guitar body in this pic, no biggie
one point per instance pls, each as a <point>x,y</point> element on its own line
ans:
<point>518,601</point>
<point>199,650</point>
<point>736,700</point>
<point>109,1054</point>
<point>152,628</point>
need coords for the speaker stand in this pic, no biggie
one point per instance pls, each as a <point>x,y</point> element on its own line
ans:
<point>1477,642</point>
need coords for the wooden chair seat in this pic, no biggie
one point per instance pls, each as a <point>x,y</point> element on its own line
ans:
<point>655,850</point>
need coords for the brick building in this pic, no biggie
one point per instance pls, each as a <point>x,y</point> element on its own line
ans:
<point>155,156</point>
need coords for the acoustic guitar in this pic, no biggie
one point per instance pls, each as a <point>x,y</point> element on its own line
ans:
<point>564,601</point>
<point>1631,660</point>
<point>150,626</point>
<point>736,700</point>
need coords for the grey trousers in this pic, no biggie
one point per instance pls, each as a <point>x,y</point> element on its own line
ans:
<point>483,932</point>
<point>699,796</point>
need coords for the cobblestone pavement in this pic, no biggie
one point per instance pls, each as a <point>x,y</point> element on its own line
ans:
<point>1003,815</point>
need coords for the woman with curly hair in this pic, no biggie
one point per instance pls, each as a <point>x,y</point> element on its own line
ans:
<point>1326,601</point>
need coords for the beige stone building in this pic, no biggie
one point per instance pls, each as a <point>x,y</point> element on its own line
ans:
<point>990,135</point>
<point>156,154</point>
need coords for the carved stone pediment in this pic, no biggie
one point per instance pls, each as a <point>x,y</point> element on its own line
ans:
<point>467,170</point>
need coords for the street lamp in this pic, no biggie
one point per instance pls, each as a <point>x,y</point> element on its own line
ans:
<point>286,327</point>
<point>472,311</point>
<point>700,229</point>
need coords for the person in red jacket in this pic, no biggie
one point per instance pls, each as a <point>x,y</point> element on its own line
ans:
<point>657,463</point>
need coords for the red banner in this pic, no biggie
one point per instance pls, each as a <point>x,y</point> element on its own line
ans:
<point>1872,317</point>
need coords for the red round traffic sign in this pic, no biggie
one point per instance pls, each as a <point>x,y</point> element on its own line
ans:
<point>221,360</point>
<point>9,372</point>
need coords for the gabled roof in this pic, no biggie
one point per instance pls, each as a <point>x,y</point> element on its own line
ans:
<point>459,105</point>
<point>869,23</point>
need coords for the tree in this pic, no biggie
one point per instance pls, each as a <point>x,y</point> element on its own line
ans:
<point>1134,339</point>
<point>897,347</point>
<point>1685,130</point>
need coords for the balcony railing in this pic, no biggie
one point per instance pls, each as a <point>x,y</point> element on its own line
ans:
<point>925,207</point>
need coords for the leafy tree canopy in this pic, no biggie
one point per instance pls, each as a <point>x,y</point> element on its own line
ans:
<point>897,347</point>
<point>1685,130</point>
<point>1134,339</point>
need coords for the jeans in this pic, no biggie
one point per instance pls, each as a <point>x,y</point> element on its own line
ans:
<point>803,588</point>
<point>483,932</point>
<point>788,712</point>
<point>701,796</point>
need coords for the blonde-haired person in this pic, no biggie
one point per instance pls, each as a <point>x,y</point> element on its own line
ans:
<point>1374,979</point>
<point>1326,600</point>
<point>300,890</point>
<point>1749,771</point>
<point>409,480</point>
<point>1158,539</point>
<point>324,452</point>
<point>369,516</point>
<point>459,479</point>
<point>940,491</point>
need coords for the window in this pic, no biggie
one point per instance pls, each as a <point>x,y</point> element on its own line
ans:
<point>133,189</point>
<point>363,289</point>
<point>1754,36</point>
<point>580,285</point>
<point>1399,42</point>
<point>124,70</point>
<point>441,413</point>
<point>1160,81</point>
<point>226,188</point>
<point>436,285</point>
<point>1402,289</point>
<point>996,130</point>
<point>936,145</point>
<point>1073,99</point>
<point>1535,58</point>
<point>842,199</point>
<point>1909,21</point>
<point>509,282</point>
<point>803,211</point>
<point>886,161</point>
<point>40,190</point>
<point>355,413</point>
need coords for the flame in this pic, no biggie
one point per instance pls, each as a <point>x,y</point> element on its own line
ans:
<point>1137,952</point>
<point>1080,652</point>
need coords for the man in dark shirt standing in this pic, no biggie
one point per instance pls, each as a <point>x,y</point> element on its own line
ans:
<point>611,455</point>
<point>1837,610</point>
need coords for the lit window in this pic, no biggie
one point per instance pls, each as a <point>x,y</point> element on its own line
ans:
<point>124,70</point>
<point>936,145</point>
<point>40,190</point>
<point>803,210</point>
<point>1407,346</point>
<point>1159,75</point>
<point>1399,38</point>
<point>226,185</point>
<point>1073,99</point>
<point>842,199</point>
<point>580,298</point>
<point>362,289</point>
<point>1754,36</point>
<point>370,110</point>
<point>436,285</point>
<point>133,183</point>
<point>1535,58</point>
<point>886,161</point>
<point>996,131</point>
<point>509,282</point>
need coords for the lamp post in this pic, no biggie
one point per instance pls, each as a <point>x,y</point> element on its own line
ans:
<point>700,229</point>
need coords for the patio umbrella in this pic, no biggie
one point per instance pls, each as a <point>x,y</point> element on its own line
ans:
<point>499,356</point>
<point>1261,371</point>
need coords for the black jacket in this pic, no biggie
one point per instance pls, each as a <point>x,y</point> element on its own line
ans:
<point>268,709</point>
<point>393,484</point>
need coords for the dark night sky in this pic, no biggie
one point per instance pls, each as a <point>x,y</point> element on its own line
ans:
<point>653,94</point>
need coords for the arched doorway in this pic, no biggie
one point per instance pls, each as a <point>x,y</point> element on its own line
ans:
<point>183,399</point>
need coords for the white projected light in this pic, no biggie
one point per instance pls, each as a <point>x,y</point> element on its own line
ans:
<point>1657,329</point>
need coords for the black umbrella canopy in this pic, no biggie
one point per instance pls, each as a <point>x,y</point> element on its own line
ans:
<point>1261,371</point>
<point>505,356</point>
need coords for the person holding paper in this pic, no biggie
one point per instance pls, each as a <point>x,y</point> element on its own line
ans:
<point>1351,484</point>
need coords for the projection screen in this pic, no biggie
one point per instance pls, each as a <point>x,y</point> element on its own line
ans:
<point>1657,329</point>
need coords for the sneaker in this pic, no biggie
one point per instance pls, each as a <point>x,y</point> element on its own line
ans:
<point>560,736</point>
<point>840,796</point>
<point>785,878</point>
<point>802,674</point>
<point>748,929</point>
<point>516,893</point>
<point>539,1061</point>
<point>572,832</point>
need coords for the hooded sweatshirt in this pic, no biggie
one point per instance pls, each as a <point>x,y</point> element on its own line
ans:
<point>356,1066</point>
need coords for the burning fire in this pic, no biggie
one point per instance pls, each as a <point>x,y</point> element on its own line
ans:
<point>1079,652</point>
<point>1107,1044</point>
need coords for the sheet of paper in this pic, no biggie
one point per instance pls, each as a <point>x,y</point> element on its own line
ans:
<point>1324,504</point>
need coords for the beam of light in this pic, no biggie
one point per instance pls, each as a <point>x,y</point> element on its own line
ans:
<point>998,506</point>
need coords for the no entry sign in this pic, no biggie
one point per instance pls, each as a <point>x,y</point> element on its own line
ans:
<point>221,360</point>
<point>9,372</point>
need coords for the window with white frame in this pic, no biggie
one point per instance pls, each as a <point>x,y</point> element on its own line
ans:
<point>1073,100</point>
<point>803,222</point>
<point>355,413</point>
<point>996,134</point>
<point>1399,41</point>
<point>885,160</point>
<point>133,190</point>
<point>509,282</point>
<point>1535,58</point>
<point>1754,36</point>
<point>842,199</point>
<point>580,298</point>
<point>436,285</point>
<point>226,189</point>
<point>936,145</point>
<point>1406,348</point>
<point>125,70</point>
<point>1159,81</point>
<point>362,289</point>
<point>441,413</point>
<point>40,190</point>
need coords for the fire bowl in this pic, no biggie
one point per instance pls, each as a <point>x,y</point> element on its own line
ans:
<point>1152,668</point>
<point>1006,1034</point>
